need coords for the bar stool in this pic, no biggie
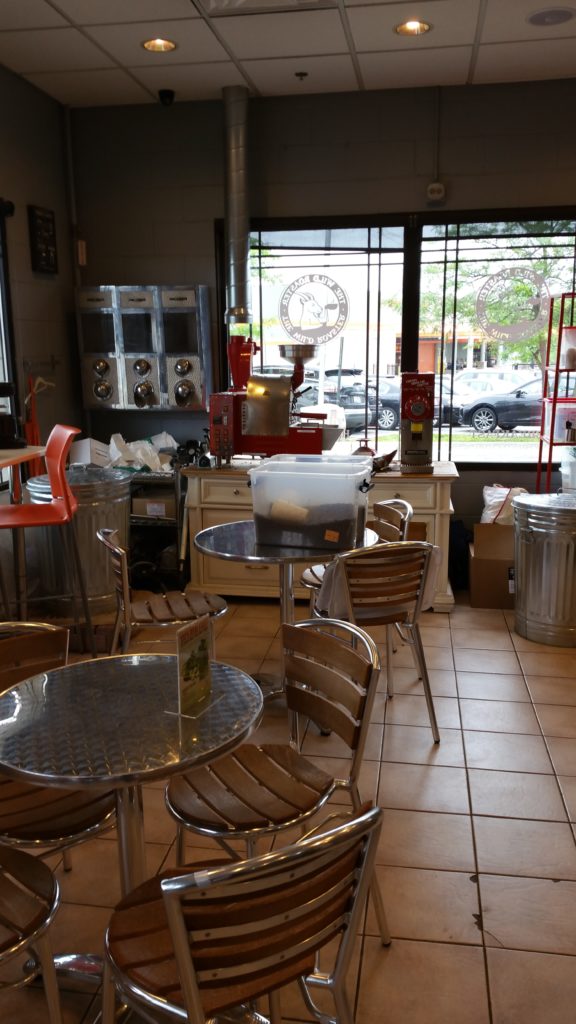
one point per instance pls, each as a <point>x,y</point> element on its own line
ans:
<point>59,511</point>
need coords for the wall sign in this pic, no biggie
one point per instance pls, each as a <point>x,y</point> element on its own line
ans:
<point>42,228</point>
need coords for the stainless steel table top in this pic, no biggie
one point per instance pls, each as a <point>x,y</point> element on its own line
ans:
<point>237,541</point>
<point>114,722</point>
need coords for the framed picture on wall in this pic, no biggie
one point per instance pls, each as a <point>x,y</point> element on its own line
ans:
<point>42,229</point>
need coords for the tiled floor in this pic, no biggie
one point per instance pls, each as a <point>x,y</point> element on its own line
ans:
<point>477,860</point>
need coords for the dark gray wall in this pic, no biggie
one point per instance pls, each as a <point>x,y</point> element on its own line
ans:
<point>33,171</point>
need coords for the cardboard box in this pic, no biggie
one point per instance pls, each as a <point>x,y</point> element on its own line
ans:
<point>155,504</point>
<point>492,566</point>
<point>88,451</point>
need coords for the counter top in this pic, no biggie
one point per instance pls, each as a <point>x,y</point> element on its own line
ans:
<point>239,467</point>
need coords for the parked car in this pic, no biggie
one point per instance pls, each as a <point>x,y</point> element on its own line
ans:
<point>468,383</point>
<point>521,407</point>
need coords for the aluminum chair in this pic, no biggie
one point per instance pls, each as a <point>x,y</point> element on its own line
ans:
<point>384,585</point>
<point>43,817</point>
<point>209,939</point>
<point>147,609</point>
<point>391,520</point>
<point>59,511</point>
<point>29,898</point>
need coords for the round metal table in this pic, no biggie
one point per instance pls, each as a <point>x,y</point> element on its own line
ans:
<point>237,542</point>
<point>114,723</point>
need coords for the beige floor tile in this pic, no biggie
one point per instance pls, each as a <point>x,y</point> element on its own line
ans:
<point>531,988</point>
<point>28,1006</point>
<point>422,983</point>
<point>234,647</point>
<point>480,686</point>
<point>79,928</point>
<point>242,626</point>
<point>563,666</point>
<point>407,709</point>
<point>462,616</point>
<point>94,879</point>
<point>507,752</point>
<point>258,609</point>
<point>424,787</point>
<point>536,848</point>
<point>436,657</point>
<point>481,639</point>
<point>563,754</point>
<point>437,620</point>
<point>442,681</point>
<point>551,690</point>
<point>437,906</point>
<point>499,716</point>
<point>423,839</point>
<point>499,662</point>
<point>434,637</point>
<point>159,826</point>
<point>557,720</point>
<point>529,913</point>
<point>415,744</point>
<point>568,786</point>
<point>516,795</point>
<point>333,746</point>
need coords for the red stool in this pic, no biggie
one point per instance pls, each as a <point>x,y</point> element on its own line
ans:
<point>59,511</point>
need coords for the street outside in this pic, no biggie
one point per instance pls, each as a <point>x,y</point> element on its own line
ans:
<point>517,446</point>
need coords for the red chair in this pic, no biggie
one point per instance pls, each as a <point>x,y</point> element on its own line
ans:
<point>59,511</point>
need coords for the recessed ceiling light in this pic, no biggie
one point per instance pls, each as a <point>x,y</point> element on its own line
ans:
<point>412,28</point>
<point>159,45</point>
<point>551,16</point>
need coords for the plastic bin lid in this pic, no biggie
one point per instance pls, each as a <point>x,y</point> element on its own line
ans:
<point>84,479</point>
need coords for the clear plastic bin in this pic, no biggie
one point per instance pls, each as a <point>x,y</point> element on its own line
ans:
<point>311,504</point>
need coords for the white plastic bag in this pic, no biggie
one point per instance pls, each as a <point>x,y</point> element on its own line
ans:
<point>498,504</point>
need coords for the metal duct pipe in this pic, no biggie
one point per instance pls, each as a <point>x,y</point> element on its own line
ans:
<point>238,302</point>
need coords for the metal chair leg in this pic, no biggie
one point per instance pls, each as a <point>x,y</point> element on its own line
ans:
<point>389,669</point>
<point>51,991</point>
<point>419,651</point>
<point>4,592</point>
<point>82,585</point>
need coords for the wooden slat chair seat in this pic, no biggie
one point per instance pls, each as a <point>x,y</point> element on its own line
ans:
<point>44,817</point>
<point>29,898</point>
<point>200,940</point>
<point>142,609</point>
<point>384,585</point>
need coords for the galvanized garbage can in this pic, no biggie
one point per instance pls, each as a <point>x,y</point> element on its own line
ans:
<point>545,557</point>
<point>103,500</point>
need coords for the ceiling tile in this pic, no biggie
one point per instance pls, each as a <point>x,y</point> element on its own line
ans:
<point>91,88</point>
<point>28,14</point>
<point>524,62</point>
<point>508,22</point>
<point>191,81</point>
<point>453,24</point>
<point>57,49</point>
<point>324,74</point>
<point>195,42</point>
<point>113,12</point>
<point>408,70</point>
<point>284,35</point>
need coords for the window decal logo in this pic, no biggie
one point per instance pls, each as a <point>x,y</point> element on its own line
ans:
<point>513,305</point>
<point>313,308</point>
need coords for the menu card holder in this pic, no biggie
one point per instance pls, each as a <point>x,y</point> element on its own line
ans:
<point>194,651</point>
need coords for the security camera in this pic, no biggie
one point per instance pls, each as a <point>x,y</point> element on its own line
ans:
<point>166,97</point>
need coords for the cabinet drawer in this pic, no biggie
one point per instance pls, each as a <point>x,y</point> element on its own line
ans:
<point>220,574</point>
<point>420,496</point>
<point>226,492</point>
<point>215,516</point>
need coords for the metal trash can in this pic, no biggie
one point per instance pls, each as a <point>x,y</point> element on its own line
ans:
<point>103,500</point>
<point>545,557</point>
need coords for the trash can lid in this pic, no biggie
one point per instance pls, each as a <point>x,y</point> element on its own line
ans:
<point>545,502</point>
<point>88,481</point>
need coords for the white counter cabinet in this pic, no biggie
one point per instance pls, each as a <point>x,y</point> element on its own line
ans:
<point>223,495</point>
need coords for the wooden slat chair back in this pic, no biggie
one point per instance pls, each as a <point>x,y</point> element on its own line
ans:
<point>384,585</point>
<point>144,609</point>
<point>207,940</point>
<point>44,817</point>
<point>29,899</point>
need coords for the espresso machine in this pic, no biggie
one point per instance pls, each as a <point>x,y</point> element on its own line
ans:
<point>416,419</point>
<point>255,416</point>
